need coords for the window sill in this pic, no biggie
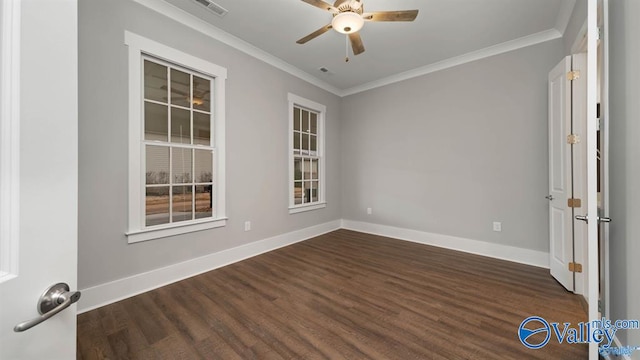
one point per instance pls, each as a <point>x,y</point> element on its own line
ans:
<point>309,207</point>
<point>173,229</point>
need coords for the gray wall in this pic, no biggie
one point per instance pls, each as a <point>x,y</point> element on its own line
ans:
<point>464,144</point>
<point>625,165</point>
<point>452,151</point>
<point>257,157</point>
<point>578,18</point>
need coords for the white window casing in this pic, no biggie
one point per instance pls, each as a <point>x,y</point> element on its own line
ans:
<point>139,49</point>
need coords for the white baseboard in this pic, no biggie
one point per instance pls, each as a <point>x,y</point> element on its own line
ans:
<point>120,289</point>
<point>498,251</point>
<point>107,293</point>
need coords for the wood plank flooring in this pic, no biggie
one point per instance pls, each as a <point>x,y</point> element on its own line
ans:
<point>343,295</point>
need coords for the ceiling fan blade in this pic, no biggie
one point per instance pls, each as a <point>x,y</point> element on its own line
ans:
<point>402,15</point>
<point>356,43</point>
<point>174,90</point>
<point>322,5</point>
<point>315,34</point>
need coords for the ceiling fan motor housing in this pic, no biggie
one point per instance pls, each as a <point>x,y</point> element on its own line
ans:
<point>349,18</point>
<point>349,6</point>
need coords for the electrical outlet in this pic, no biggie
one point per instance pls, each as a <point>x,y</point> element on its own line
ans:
<point>497,226</point>
<point>247,225</point>
<point>369,211</point>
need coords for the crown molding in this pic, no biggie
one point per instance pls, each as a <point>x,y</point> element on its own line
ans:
<point>504,47</point>
<point>224,37</point>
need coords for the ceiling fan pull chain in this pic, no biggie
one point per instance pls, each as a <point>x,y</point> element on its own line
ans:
<point>346,48</point>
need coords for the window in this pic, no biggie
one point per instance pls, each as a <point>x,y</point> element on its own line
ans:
<point>306,158</point>
<point>176,142</point>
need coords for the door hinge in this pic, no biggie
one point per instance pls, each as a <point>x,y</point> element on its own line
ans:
<point>575,267</point>
<point>574,203</point>
<point>573,139</point>
<point>573,75</point>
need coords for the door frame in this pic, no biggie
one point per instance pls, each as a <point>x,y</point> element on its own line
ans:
<point>579,173</point>
<point>587,39</point>
<point>601,83</point>
<point>9,137</point>
<point>604,155</point>
<point>592,206</point>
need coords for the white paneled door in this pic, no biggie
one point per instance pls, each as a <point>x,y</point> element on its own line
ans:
<point>560,176</point>
<point>568,171</point>
<point>39,175</point>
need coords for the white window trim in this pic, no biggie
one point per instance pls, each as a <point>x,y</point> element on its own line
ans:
<point>139,46</point>
<point>322,187</point>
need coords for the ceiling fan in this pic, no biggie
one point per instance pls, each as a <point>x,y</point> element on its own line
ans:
<point>197,99</point>
<point>349,17</point>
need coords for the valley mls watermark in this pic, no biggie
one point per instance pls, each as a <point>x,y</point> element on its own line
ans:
<point>535,332</point>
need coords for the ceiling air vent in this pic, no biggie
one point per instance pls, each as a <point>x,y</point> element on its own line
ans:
<point>213,7</point>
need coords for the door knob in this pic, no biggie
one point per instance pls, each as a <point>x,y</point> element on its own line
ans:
<point>55,299</point>
<point>584,218</point>
<point>549,197</point>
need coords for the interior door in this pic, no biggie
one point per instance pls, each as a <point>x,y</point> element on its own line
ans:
<point>560,176</point>
<point>39,59</point>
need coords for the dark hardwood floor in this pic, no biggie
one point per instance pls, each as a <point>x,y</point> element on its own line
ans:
<point>343,295</point>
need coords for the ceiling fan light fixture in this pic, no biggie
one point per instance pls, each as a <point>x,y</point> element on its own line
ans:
<point>347,22</point>
<point>196,101</point>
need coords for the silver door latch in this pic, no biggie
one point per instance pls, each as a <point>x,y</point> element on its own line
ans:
<point>55,299</point>
<point>585,218</point>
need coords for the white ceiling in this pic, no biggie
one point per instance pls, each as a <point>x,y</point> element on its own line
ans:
<point>443,30</point>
